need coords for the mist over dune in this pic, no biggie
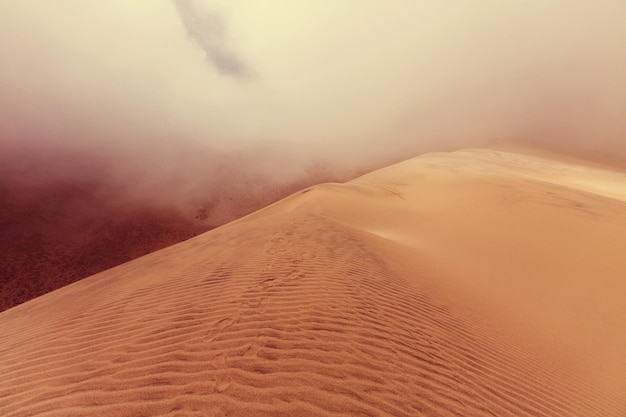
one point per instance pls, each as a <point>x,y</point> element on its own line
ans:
<point>313,79</point>
<point>207,110</point>
<point>467,283</point>
<point>94,212</point>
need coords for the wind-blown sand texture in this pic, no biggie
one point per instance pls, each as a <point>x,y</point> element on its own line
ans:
<point>473,283</point>
<point>57,232</point>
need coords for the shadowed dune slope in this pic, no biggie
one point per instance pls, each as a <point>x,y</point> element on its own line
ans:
<point>474,283</point>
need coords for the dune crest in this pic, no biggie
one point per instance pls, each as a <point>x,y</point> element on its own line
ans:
<point>474,283</point>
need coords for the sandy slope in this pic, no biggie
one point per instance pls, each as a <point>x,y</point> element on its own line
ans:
<point>55,231</point>
<point>476,283</point>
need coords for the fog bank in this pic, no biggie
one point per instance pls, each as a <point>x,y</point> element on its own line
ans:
<point>199,111</point>
<point>152,83</point>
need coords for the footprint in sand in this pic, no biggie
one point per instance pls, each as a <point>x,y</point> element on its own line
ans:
<point>252,349</point>
<point>265,283</point>
<point>222,383</point>
<point>252,303</point>
<point>251,307</point>
<point>295,275</point>
<point>217,329</point>
<point>222,379</point>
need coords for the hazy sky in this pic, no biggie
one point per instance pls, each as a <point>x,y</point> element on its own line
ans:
<point>347,80</point>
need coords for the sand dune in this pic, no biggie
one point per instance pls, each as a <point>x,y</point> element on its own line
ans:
<point>58,231</point>
<point>473,283</point>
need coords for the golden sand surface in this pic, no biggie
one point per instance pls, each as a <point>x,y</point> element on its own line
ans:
<point>471,283</point>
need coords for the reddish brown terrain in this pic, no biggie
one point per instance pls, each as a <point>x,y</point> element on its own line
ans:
<point>63,221</point>
<point>58,234</point>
